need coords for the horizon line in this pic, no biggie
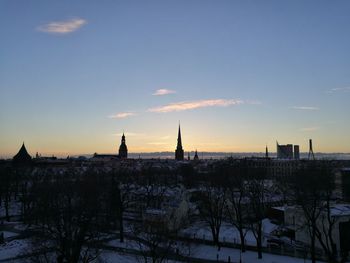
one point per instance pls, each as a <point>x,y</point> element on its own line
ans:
<point>65,155</point>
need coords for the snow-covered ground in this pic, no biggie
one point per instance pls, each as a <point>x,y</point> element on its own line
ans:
<point>19,247</point>
<point>8,234</point>
<point>13,249</point>
<point>113,257</point>
<point>109,257</point>
<point>14,209</point>
<point>210,252</point>
<point>228,233</point>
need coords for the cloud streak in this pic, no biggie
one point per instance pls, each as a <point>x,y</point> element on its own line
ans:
<point>191,105</point>
<point>122,115</point>
<point>62,27</point>
<point>309,129</point>
<point>162,92</point>
<point>305,108</point>
<point>345,89</point>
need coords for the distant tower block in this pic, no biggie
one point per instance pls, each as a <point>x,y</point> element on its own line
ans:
<point>284,151</point>
<point>296,152</point>
<point>311,151</point>
<point>266,152</point>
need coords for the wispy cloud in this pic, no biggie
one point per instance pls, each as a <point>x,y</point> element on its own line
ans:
<point>344,89</point>
<point>122,115</point>
<point>305,108</point>
<point>62,27</point>
<point>161,92</point>
<point>309,129</point>
<point>190,105</point>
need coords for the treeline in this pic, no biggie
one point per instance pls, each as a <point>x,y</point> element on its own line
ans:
<point>242,194</point>
<point>71,213</point>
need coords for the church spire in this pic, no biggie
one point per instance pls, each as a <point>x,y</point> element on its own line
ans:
<point>195,155</point>
<point>179,152</point>
<point>179,142</point>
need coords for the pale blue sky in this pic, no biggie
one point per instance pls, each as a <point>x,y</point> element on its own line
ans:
<point>287,63</point>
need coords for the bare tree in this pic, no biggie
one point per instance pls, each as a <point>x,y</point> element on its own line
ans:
<point>7,178</point>
<point>122,187</point>
<point>68,217</point>
<point>236,206</point>
<point>211,202</point>
<point>313,185</point>
<point>258,195</point>
<point>154,239</point>
<point>152,187</point>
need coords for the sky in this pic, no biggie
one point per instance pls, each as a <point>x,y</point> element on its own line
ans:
<point>237,75</point>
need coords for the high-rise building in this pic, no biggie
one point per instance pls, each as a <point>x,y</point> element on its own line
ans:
<point>123,149</point>
<point>179,152</point>
<point>285,151</point>
<point>296,152</point>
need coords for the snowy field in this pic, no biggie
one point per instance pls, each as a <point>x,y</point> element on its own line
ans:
<point>210,252</point>
<point>228,233</point>
<point>14,209</point>
<point>14,248</point>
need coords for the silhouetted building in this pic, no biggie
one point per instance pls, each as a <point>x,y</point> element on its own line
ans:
<point>179,152</point>
<point>22,157</point>
<point>266,152</point>
<point>345,183</point>
<point>196,156</point>
<point>123,150</point>
<point>285,151</point>
<point>296,152</point>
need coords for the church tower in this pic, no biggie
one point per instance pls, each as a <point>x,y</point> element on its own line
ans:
<point>22,157</point>
<point>179,152</point>
<point>123,150</point>
<point>196,156</point>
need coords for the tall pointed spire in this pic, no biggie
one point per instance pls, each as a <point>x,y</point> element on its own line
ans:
<point>195,155</point>
<point>179,142</point>
<point>179,152</point>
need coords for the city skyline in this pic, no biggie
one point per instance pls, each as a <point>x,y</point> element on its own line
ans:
<point>238,75</point>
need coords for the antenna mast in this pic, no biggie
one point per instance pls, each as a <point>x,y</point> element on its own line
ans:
<point>311,151</point>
